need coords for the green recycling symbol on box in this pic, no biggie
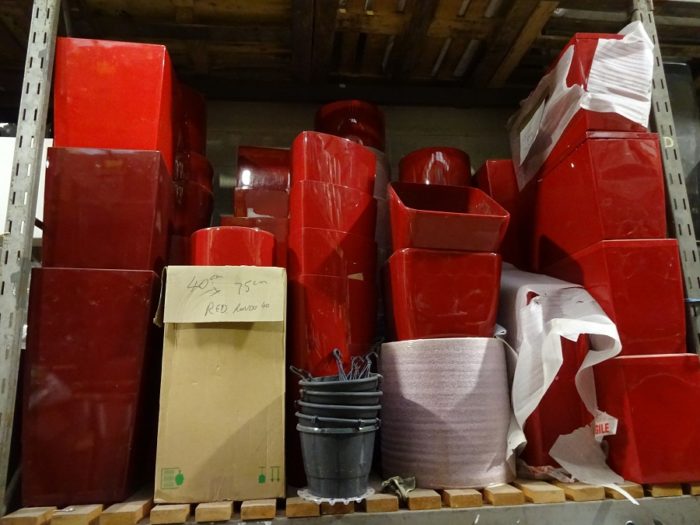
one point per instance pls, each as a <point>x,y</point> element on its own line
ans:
<point>171,478</point>
<point>274,475</point>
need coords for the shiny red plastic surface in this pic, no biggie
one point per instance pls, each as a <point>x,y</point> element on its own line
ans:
<point>331,207</point>
<point>657,401</point>
<point>263,168</point>
<point>232,246</point>
<point>116,95</point>
<point>179,252</point>
<point>193,126</point>
<point>194,167</point>
<point>277,227</point>
<point>329,312</point>
<point>356,120</point>
<point>325,158</point>
<point>605,189</point>
<point>560,411</point>
<point>106,209</point>
<point>445,218</point>
<point>253,202</point>
<point>639,285</point>
<point>440,165</point>
<point>193,206</point>
<point>91,386</point>
<point>327,252</point>
<point>435,293</point>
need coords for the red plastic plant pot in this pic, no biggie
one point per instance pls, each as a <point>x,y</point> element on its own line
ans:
<point>116,95</point>
<point>331,207</point>
<point>193,207</point>
<point>333,160</point>
<point>263,168</point>
<point>253,202</point>
<point>440,165</point>
<point>195,167</point>
<point>232,246</point>
<point>619,194</point>
<point>356,120</point>
<point>639,285</point>
<point>329,312</point>
<point>560,411</point>
<point>327,252</point>
<point>179,252</point>
<point>277,227</point>
<point>656,399</point>
<point>193,107</point>
<point>106,209</point>
<point>434,293</point>
<point>91,377</point>
<point>445,218</point>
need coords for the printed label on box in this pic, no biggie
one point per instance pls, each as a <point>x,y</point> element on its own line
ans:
<point>171,478</point>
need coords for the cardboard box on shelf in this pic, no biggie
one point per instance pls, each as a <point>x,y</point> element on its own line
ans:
<point>221,427</point>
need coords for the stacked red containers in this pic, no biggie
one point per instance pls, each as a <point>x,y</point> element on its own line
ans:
<point>232,246</point>
<point>446,166</point>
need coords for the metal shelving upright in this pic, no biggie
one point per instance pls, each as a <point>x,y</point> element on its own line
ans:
<point>15,250</point>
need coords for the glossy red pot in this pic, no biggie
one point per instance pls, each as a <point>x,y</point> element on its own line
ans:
<point>434,293</point>
<point>195,167</point>
<point>439,165</point>
<point>193,206</point>
<point>263,168</point>
<point>355,120</point>
<point>253,202</point>
<point>277,227</point>
<point>331,207</point>
<point>639,285</point>
<point>327,252</point>
<point>656,399</point>
<point>193,125</point>
<point>106,209</point>
<point>179,252</point>
<point>445,218</point>
<point>325,158</point>
<point>116,95</point>
<point>329,312</point>
<point>618,184</point>
<point>91,381</point>
<point>232,246</point>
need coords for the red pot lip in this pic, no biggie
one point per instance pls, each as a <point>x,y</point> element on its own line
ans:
<point>434,149</point>
<point>248,230</point>
<point>394,196</point>
<point>351,104</point>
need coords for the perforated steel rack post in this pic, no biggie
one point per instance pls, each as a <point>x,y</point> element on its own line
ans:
<point>676,192</point>
<point>15,254</point>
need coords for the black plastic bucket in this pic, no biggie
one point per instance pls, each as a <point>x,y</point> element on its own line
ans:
<point>333,384</point>
<point>339,411</point>
<point>334,422</point>
<point>340,398</point>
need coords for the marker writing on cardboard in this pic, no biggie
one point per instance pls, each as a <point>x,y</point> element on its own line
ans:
<point>222,308</point>
<point>206,285</point>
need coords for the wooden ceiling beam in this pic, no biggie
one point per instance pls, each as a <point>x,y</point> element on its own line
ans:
<point>325,21</point>
<point>420,14</point>
<point>302,38</point>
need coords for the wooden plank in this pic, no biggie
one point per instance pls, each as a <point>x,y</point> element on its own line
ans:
<point>462,498</point>
<point>499,495</point>
<point>664,490</point>
<point>301,508</point>
<point>29,516</point>
<point>258,509</point>
<point>167,514</point>
<point>302,38</point>
<point>420,14</point>
<point>381,503</point>
<point>337,508</point>
<point>540,491</point>
<point>502,40</point>
<point>523,42</point>
<point>694,489</point>
<point>325,14</point>
<point>77,515</point>
<point>214,511</point>
<point>635,490</point>
<point>348,51</point>
<point>581,491</point>
<point>129,512</point>
<point>371,22</point>
<point>477,28</point>
<point>424,499</point>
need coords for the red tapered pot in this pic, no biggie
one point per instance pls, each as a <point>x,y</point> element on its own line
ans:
<point>333,160</point>
<point>445,218</point>
<point>355,120</point>
<point>192,166</point>
<point>253,202</point>
<point>263,168</point>
<point>194,120</point>
<point>277,227</point>
<point>439,165</point>
<point>232,246</point>
<point>179,251</point>
<point>193,206</point>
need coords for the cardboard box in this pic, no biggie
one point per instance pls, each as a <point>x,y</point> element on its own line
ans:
<point>221,427</point>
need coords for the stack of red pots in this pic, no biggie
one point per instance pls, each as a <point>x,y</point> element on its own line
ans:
<point>443,277</point>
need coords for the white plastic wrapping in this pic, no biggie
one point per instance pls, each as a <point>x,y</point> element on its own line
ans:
<point>619,82</point>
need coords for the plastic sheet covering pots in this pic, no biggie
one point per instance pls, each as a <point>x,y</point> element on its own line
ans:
<point>193,206</point>
<point>106,209</point>
<point>91,382</point>
<point>356,120</point>
<point>325,158</point>
<point>445,412</point>
<point>262,168</point>
<point>193,124</point>
<point>332,207</point>
<point>277,227</point>
<point>232,246</point>
<point>445,218</point>
<point>435,293</point>
<point>656,399</point>
<point>639,285</point>
<point>439,165</point>
<point>327,252</point>
<point>192,166</point>
<point>115,95</point>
